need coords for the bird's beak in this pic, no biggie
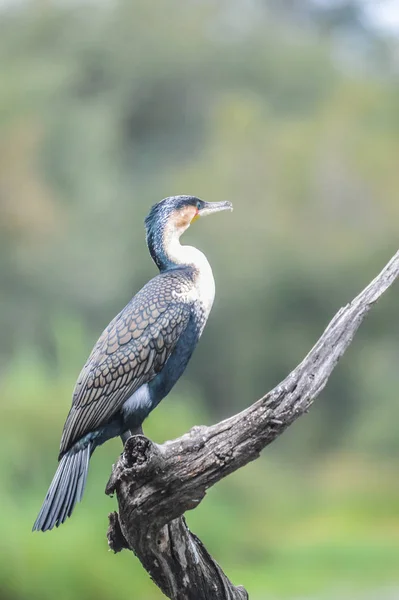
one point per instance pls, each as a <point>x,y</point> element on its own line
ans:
<point>213,207</point>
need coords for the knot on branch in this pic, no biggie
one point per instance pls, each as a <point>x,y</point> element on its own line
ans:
<point>137,452</point>
<point>138,463</point>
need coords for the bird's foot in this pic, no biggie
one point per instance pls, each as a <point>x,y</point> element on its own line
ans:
<point>127,434</point>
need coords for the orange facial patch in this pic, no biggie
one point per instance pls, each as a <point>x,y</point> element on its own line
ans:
<point>185,216</point>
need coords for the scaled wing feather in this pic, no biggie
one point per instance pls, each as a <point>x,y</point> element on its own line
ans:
<point>130,352</point>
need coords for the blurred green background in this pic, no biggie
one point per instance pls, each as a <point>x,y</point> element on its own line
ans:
<point>290,109</point>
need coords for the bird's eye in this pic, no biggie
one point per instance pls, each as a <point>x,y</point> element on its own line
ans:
<point>198,205</point>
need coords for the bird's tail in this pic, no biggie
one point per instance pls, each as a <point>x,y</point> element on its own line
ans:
<point>65,490</point>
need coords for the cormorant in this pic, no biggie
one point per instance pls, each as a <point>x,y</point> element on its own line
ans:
<point>140,355</point>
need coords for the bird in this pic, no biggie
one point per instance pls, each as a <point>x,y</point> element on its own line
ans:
<point>140,355</point>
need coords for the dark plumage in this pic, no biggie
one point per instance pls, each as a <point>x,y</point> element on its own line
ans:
<point>139,356</point>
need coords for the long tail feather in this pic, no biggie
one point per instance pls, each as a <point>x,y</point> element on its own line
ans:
<point>65,490</point>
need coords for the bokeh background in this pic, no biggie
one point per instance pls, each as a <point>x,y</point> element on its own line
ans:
<point>291,110</point>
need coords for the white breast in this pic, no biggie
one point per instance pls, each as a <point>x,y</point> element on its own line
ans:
<point>204,290</point>
<point>204,283</point>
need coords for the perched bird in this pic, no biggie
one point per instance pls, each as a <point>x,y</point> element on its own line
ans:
<point>140,355</point>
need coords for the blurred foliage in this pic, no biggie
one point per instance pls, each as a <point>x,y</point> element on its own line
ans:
<point>106,108</point>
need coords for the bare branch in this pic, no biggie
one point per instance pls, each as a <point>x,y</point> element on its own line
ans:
<point>156,485</point>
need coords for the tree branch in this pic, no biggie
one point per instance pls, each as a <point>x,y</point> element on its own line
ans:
<point>156,485</point>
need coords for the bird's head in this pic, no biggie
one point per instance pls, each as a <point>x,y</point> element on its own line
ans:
<point>170,217</point>
<point>178,212</point>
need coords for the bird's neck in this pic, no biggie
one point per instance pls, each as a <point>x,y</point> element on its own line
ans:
<point>168,253</point>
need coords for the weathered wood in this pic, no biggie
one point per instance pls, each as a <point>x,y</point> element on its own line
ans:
<point>156,485</point>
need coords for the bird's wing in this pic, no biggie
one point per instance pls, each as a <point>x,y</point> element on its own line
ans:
<point>130,352</point>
